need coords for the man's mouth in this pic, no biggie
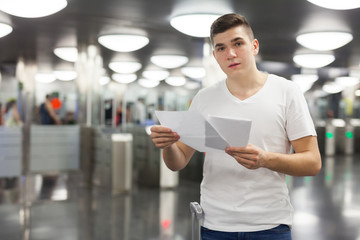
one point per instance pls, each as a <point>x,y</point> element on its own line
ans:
<point>233,65</point>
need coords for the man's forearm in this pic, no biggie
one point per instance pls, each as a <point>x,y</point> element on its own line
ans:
<point>297,164</point>
<point>174,158</point>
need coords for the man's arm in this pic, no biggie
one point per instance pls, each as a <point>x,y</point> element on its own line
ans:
<point>306,161</point>
<point>52,113</point>
<point>176,154</point>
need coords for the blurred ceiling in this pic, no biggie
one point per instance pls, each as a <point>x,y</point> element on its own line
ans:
<point>276,24</point>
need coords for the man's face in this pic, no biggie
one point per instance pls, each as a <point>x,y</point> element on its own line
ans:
<point>234,51</point>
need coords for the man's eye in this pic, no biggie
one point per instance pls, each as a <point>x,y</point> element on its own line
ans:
<point>221,49</point>
<point>238,44</point>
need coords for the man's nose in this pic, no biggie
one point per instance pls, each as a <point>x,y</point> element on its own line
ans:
<point>231,53</point>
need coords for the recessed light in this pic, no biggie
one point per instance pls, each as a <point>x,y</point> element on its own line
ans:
<point>323,41</point>
<point>123,42</point>
<point>32,8</point>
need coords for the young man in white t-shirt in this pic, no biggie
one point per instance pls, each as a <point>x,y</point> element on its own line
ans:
<point>243,191</point>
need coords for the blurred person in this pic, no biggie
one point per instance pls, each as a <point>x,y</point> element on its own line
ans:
<point>47,113</point>
<point>1,115</point>
<point>244,190</point>
<point>11,116</point>
<point>140,111</point>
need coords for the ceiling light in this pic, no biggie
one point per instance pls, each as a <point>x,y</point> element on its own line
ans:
<point>125,67</point>
<point>314,60</point>
<point>169,61</point>
<point>33,8</point>
<point>194,72</point>
<point>147,83</point>
<point>304,81</point>
<point>191,85</point>
<point>323,41</point>
<point>196,25</point>
<point>65,75</point>
<point>347,81</point>
<point>157,75</point>
<point>123,42</point>
<point>104,80</point>
<point>69,54</point>
<point>357,93</point>
<point>45,77</point>
<point>124,78</point>
<point>175,81</point>
<point>336,4</point>
<point>332,88</point>
<point>309,78</point>
<point>5,29</point>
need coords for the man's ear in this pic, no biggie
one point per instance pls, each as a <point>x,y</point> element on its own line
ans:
<point>256,47</point>
<point>213,53</point>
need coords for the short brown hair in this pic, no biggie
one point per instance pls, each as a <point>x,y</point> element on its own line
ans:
<point>227,21</point>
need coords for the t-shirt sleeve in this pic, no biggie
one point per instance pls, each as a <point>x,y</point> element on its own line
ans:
<point>298,119</point>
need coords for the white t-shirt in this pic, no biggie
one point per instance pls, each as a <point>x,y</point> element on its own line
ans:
<point>237,199</point>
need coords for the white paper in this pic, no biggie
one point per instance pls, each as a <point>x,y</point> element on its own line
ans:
<point>235,131</point>
<point>204,135</point>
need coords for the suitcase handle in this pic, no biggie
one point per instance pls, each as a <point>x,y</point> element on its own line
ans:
<point>197,216</point>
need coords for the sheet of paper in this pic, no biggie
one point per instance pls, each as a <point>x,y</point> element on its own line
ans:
<point>205,136</point>
<point>193,129</point>
<point>235,131</point>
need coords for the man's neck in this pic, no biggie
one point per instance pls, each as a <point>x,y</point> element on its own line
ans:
<point>244,86</point>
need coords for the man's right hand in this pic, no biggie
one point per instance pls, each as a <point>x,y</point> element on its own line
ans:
<point>163,137</point>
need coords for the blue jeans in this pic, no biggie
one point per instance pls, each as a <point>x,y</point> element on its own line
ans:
<point>281,232</point>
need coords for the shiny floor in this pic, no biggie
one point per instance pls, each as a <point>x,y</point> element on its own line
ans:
<point>327,207</point>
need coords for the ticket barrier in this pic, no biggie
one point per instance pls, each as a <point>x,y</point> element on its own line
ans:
<point>330,136</point>
<point>113,160</point>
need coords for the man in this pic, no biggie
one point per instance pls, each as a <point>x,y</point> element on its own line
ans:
<point>47,113</point>
<point>244,193</point>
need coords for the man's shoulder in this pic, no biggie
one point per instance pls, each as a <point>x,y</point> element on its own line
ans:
<point>281,81</point>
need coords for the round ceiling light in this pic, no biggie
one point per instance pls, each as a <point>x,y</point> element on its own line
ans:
<point>347,81</point>
<point>195,25</point>
<point>169,61</point>
<point>65,75</point>
<point>69,54</point>
<point>332,88</point>
<point>45,77</point>
<point>5,29</point>
<point>147,83</point>
<point>123,42</point>
<point>32,8</point>
<point>104,80</point>
<point>175,81</point>
<point>124,78</point>
<point>193,72</point>
<point>313,60</point>
<point>336,4</point>
<point>323,41</point>
<point>157,75</point>
<point>125,67</point>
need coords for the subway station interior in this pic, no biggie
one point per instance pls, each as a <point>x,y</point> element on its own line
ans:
<point>105,67</point>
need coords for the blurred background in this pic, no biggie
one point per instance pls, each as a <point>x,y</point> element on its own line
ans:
<point>80,82</point>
